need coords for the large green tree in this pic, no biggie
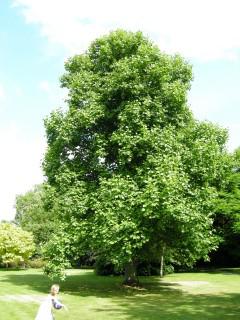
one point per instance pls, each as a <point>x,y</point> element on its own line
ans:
<point>134,173</point>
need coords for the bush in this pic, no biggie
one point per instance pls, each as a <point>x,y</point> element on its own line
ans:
<point>36,263</point>
<point>153,269</point>
<point>105,268</point>
<point>86,261</point>
<point>16,245</point>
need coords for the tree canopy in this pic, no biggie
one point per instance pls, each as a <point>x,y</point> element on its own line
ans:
<point>34,213</point>
<point>16,245</point>
<point>134,172</point>
<point>227,216</point>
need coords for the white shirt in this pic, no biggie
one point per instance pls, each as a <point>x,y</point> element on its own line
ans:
<point>45,309</point>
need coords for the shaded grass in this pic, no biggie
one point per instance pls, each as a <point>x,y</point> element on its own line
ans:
<point>215,296</point>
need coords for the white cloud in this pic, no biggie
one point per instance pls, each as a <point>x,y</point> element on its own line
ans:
<point>197,29</point>
<point>19,167</point>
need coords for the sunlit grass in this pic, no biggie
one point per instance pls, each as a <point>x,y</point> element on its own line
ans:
<point>183,296</point>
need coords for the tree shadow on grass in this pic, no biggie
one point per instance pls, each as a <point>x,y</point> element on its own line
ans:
<point>216,271</point>
<point>86,284</point>
<point>36,282</point>
<point>157,300</point>
<point>230,270</point>
<point>181,306</point>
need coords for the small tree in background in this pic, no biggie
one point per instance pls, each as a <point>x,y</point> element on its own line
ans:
<point>227,216</point>
<point>34,213</point>
<point>134,173</point>
<point>16,245</point>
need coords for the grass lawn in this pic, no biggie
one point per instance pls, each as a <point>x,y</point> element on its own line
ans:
<point>184,296</point>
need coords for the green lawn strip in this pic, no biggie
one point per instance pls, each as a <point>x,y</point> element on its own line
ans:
<point>183,296</point>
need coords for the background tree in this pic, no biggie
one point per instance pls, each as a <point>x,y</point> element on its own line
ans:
<point>227,217</point>
<point>34,213</point>
<point>134,173</point>
<point>16,245</point>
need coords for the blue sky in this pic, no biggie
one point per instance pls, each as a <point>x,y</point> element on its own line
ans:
<point>37,36</point>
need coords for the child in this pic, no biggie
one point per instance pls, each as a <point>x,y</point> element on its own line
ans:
<point>45,310</point>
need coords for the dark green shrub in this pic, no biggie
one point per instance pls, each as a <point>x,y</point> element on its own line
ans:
<point>105,268</point>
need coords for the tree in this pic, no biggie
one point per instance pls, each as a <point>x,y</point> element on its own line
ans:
<point>227,216</point>
<point>16,245</point>
<point>34,213</point>
<point>134,173</point>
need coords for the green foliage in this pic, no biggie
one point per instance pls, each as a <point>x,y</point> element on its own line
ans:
<point>227,215</point>
<point>58,253</point>
<point>133,171</point>
<point>16,245</point>
<point>36,263</point>
<point>34,213</point>
<point>103,267</point>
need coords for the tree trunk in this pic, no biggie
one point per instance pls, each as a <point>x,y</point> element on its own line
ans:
<point>162,261</point>
<point>130,277</point>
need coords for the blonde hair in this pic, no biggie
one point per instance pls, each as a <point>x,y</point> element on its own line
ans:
<point>54,289</point>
